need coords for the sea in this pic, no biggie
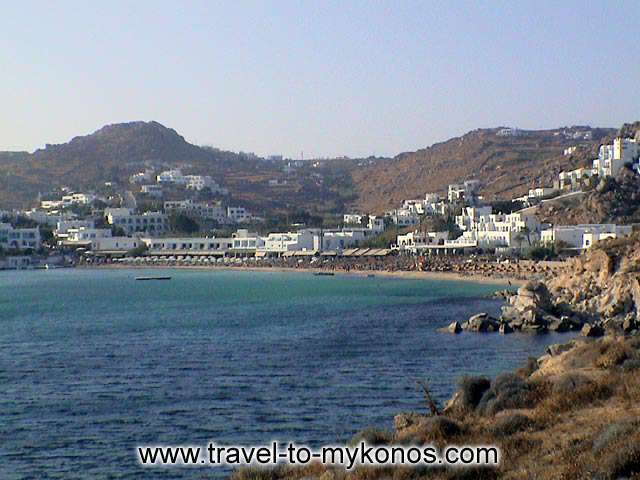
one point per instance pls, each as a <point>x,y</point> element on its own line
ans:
<point>94,363</point>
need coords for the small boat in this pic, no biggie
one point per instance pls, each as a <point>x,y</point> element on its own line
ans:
<point>153,278</point>
<point>324,274</point>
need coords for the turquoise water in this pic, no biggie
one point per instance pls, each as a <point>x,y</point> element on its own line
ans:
<point>93,363</point>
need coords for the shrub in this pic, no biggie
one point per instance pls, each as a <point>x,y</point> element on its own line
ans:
<point>510,424</point>
<point>371,436</point>
<point>613,433</point>
<point>440,427</point>
<point>471,390</point>
<point>613,355</point>
<point>622,461</point>
<point>568,383</point>
<point>507,391</point>
<point>528,368</point>
<point>631,365</point>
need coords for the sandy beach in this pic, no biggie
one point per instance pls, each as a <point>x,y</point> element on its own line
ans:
<point>414,275</point>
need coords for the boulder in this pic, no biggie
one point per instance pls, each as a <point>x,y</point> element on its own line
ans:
<point>589,330</point>
<point>562,324</point>
<point>505,328</point>
<point>454,328</point>
<point>534,328</point>
<point>481,322</point>
<point>532,294</point>
<point>629,324</point>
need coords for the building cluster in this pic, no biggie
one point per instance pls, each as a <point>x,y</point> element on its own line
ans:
<point>483,229</point>
<point>116,231</point>
<point>152,183</point>
<point>611,159</point>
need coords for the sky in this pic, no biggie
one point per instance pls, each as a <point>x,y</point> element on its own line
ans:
<point>327,78</point>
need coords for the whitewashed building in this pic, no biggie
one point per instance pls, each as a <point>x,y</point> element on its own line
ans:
<point>352,218</point>
<point>403,217</point>
<point>188,245</point>
<point>416,240</point>
<point>19,238</point>
<point>611,158</point>
<point>204,210</point>
<point>153,223</point>
<point>84,235</point>
<point>152,190</point>
<point>114,245</point>
<point>238,214</point>
<point>584,235</point>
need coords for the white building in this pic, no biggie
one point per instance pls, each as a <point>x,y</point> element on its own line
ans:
<point>84,235</point>
<point>584,235</point>
<point>50,219</point>
<point>19,238</point>
<point>463,191</point>
<point>142,177</point>
<point>171,176</point>
<point>153,223</point>
<point>69,200</point>
<point>62,227</point>
<point>352,218</point>
<point>416,240</point>
<point>374,223</point>
<point>568,151</point>
<point>153,190</point>
<point>188,245</point>
<point>489,230</point>
<point>204,210</point>
<point>245,241</point>
<point>541,192</point>
<point>278,243</point>
<point>509,132</point>
<point>471,216</point>
<point>572,179</point>
<point>200,182</point>
<point>238,214</point>
<point>403,217</point>
<point>114,245</point>
<point>611,158</point>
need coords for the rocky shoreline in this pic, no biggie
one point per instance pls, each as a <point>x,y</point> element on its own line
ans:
<point>598,293</point>
<point>572,413</point>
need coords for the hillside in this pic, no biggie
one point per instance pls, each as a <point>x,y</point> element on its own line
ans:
<point>115,152</point>
<point>610,201</point>
<point>506,165</point>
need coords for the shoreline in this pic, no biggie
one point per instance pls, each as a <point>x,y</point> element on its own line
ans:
<point>400,274</point>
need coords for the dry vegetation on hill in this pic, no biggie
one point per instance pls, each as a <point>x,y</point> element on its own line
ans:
<point>573,415</point>
<point>507,166</point>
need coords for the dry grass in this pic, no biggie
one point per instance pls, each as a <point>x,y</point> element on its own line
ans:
<point>584,424</point>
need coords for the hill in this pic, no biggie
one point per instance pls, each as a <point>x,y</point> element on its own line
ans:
<point>115,152</point>
<point>507,166</point>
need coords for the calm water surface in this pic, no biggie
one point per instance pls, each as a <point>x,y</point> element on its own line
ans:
<point>93,363</point>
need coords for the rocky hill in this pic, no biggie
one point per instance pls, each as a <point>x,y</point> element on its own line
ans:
<point>110,154</point>
<point>507,166</point>
<point>609,201</point>
<point>114,152</point>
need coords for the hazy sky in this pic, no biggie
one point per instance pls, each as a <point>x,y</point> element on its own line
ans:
<point>326,78</point>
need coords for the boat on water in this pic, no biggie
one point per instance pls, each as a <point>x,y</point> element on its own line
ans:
<point>152,278</point>
<point>324,274</point>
